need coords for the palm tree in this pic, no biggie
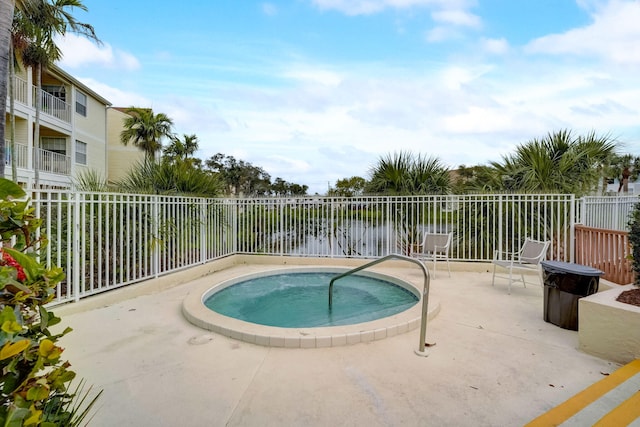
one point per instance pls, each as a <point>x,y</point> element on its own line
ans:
<point>166,178</point>
<point>615,166</point>
<point>557,163</point>
<point>17,46</point>
<point>406,174</point>
<point>145,130</point>
<point>182,149</point>
<point>41,25</point>
<point>7,8</point>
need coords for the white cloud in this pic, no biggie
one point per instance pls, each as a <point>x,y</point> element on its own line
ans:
<point>495,46</point>
<point>78,51</point>
<point>285,164</point>
<point>440,33</point>
<point>313,75</point>
<point>457,17</point>
<point>614,35</point>
<point>367,7</point>
<point>117,97</point>
<point>478,120</point>
<point>455,77</point>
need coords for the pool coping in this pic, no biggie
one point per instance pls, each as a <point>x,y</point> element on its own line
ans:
<point>197,313</point>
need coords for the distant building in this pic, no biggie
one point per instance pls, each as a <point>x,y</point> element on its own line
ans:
<point>120,158</point>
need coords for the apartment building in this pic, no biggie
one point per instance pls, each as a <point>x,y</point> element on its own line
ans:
<point>120,158</point>
<point>73,130</point>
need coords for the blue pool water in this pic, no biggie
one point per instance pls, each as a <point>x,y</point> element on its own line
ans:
<point>295,300</point>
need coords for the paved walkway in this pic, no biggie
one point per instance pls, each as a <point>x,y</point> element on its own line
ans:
<point>495,363</point>
<point>612,401</point>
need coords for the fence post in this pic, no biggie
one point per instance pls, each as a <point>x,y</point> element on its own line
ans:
<point>572,228</point>
<point>75,269</point>
<point>204,225</point>
<point>501,246</point>
<point>281,225</point>
<point>390,224</point>
<point>155,252</point>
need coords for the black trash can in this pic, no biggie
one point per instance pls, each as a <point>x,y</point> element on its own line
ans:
<point>564,284</point>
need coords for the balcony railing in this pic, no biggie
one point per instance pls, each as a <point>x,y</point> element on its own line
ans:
<point>51,105</point>
<point>21,154</point>
<point>48,161</point>
<point>20,90</point>
<point>51,162</point>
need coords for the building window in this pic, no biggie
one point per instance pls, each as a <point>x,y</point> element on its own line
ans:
<point>81,152</point>
<point>56,90</point>
<point>81,103</point>
<point>55,145</point>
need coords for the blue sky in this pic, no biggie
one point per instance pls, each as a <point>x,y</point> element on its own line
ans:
<point>317,90</point>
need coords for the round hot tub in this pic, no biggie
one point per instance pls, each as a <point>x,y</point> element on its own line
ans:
<point>290,308</point>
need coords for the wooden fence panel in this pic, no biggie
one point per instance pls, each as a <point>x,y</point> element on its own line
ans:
<point>606,250</point>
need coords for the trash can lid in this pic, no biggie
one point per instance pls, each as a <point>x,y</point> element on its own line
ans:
<point>569,267</point>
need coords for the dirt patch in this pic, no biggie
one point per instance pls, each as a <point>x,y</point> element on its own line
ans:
<point>631,296</point>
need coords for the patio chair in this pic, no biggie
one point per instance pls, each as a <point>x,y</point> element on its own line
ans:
<point>527,259</point>
<point>435,246</point>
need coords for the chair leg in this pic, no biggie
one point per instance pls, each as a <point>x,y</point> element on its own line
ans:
<point>448,267</point>
<point>493,280</point>
<point>434,265</point>
<point>523,282</point>
<point>510,280</point>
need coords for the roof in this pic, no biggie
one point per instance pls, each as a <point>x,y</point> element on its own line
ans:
<point>54,69</point>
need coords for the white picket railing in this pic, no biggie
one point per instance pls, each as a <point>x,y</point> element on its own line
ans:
<point>105,240</point>
<point>607,212</point>
<point>20,90</point>
<point>21,154</point>
<point>49,161</point>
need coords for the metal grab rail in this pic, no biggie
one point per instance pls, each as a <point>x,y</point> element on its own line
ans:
<point>425,291</point>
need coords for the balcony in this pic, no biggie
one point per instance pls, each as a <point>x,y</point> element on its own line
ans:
<point>21,155</point>
<point>51,105</point>
<point>47,161</point>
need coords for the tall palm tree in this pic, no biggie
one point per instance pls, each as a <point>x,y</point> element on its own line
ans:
<point>51,18</point>
<point>145,130</point>
<point>17,46</point>
<point>7,8</point>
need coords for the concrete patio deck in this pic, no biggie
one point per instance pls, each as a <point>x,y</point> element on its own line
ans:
<point>496,362</point>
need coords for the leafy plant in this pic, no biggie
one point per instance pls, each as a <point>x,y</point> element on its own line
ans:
<point>634,241</point>
<point>35,380</point>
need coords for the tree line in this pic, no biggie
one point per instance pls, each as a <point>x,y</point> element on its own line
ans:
<point>174,169</point>
<point>559,162</point>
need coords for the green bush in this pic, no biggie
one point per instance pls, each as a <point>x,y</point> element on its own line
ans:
<point>35,382</point>
<point>634,241</point>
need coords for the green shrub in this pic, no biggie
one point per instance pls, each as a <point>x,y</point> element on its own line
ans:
<point>634,241</point>
<point>35,381</point>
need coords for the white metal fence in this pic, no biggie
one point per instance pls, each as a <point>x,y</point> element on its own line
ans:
<point>105,240</point>
<point>607,212</point>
